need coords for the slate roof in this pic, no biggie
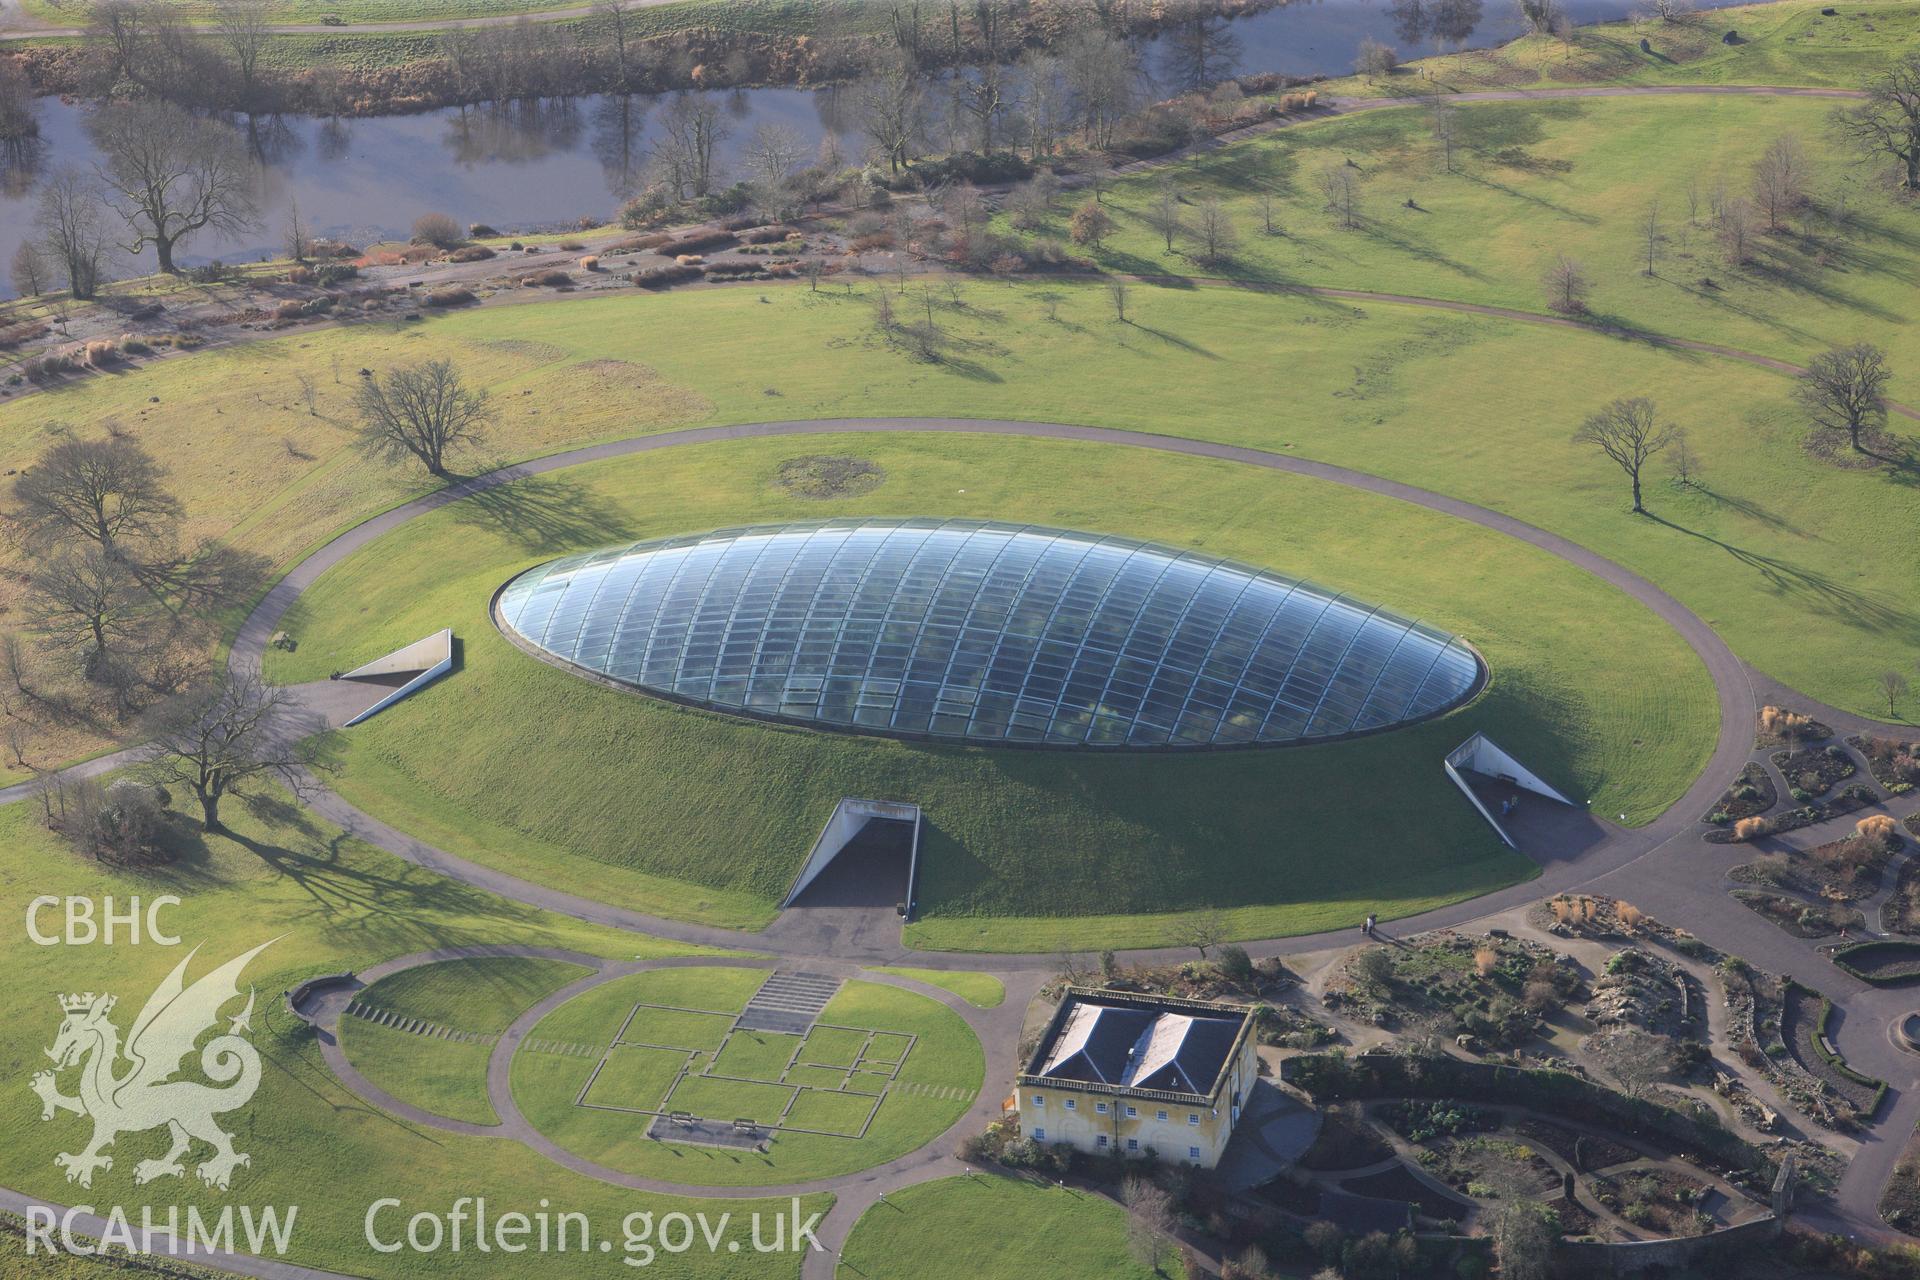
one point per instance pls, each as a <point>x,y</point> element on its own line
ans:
<point>1134,1047</point>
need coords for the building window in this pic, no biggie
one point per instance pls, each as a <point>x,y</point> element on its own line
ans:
<point>1103,1142</point>
<point>1039,1135</point>
<point>1133,1144</point>
<point>1193,1117</point>
<point>1193,1153</point>
<point>1100,1107</point>
<point>1039,1099</point>
<point>1162,1115</point>
<point>1070,1105</point>
<point>1132,1112</point>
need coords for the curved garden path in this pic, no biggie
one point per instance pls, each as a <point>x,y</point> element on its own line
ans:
<point>1672,888</point>
<point>1688,887</point>
<point>1618,848</point>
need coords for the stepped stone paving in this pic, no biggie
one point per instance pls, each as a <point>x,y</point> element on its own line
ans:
<point>788,1002</point>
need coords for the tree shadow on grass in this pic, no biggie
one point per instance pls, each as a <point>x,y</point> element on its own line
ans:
<point>1825,593</point>
<point>542,514</point>
<point>1748,508</point>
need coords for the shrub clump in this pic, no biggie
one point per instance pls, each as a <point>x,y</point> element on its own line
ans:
<point>471,253</point>
<point>438,230</point>
<point>699,240</point>
<point>551,278</point>
<point>668,276</point>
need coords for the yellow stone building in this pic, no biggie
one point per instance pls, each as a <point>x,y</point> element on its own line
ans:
<point>1122,1072</point>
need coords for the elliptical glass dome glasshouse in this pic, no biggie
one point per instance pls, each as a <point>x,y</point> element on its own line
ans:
<point>987,633</point>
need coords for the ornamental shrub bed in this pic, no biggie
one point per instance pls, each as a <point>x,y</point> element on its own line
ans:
<point>1857,796</point>
<point>1751,793</point>
<point>1814,771</point>
<point>1894,764</point>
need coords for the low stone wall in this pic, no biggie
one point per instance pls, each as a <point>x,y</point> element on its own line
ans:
<point>1630,1257</point>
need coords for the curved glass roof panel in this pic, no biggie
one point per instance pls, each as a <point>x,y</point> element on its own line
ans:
<point>987,633</point>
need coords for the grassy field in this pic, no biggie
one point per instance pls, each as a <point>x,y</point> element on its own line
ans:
<point>604,792</point>
<point>730,1074</point>
<point>448,1077</point>
<point>334,904</point>
<point>1786,43</point>
<point>1823,609</point>
<point>982,990</point>
<point>1533,180</point>
<point>910,1236</point>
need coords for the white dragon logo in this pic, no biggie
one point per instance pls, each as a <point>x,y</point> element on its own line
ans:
<point>145,1096</point>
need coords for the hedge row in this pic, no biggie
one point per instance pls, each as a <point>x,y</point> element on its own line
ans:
<point>1848,960</point>
<point>1332,1077</point>
<point>1833,1059</point>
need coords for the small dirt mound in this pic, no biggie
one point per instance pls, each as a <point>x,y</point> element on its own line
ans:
<point>826,475</point>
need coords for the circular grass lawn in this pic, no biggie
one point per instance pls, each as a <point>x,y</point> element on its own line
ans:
<point>705,817</point>
<point>882,1072</point>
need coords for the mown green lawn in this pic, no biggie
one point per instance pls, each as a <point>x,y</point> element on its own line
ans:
<point>334,904</point>
<point>482,995</point>
<point>699,815</point>
<point>941,1075</point>
<point>1480,408</point>
<point>910,1235</point>
<point>982,990</point>
<point>1791,42</point>
<point>1535,180</point>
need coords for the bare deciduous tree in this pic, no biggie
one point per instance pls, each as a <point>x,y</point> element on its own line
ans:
<point>1375,59</point>
<point>31,273</point>
<point>1887,124</point>
<point>1204,930</point>
<point>173,174</point>
<point>109,493</point>
<point>73,232</point>
<point>1636,1060</point>
<point>1522,1241</point>
<point>298,239</point>
<point>1846,388</point>
<point>1213,229</point>
<point>221,735</point>
<point>1566,284</point>
<point>1629,432</point>
<point>1340,188</point>
<point>1150,1222</point>
<point>1117,294</point>
<point>243,27</point>
<point>691,128</point>
<point>1736,231</point>
<point>1892,686</point>
<point>1164,213</point>
<point>889,103</point>
<point>422,411</point>
<point>1446,126</point>
<point>87,601</point>
<point>1780,179</point>
<point>615,20</point>
<point>773,151</point>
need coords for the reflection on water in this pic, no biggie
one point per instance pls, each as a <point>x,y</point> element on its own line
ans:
<point>550,161</point>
